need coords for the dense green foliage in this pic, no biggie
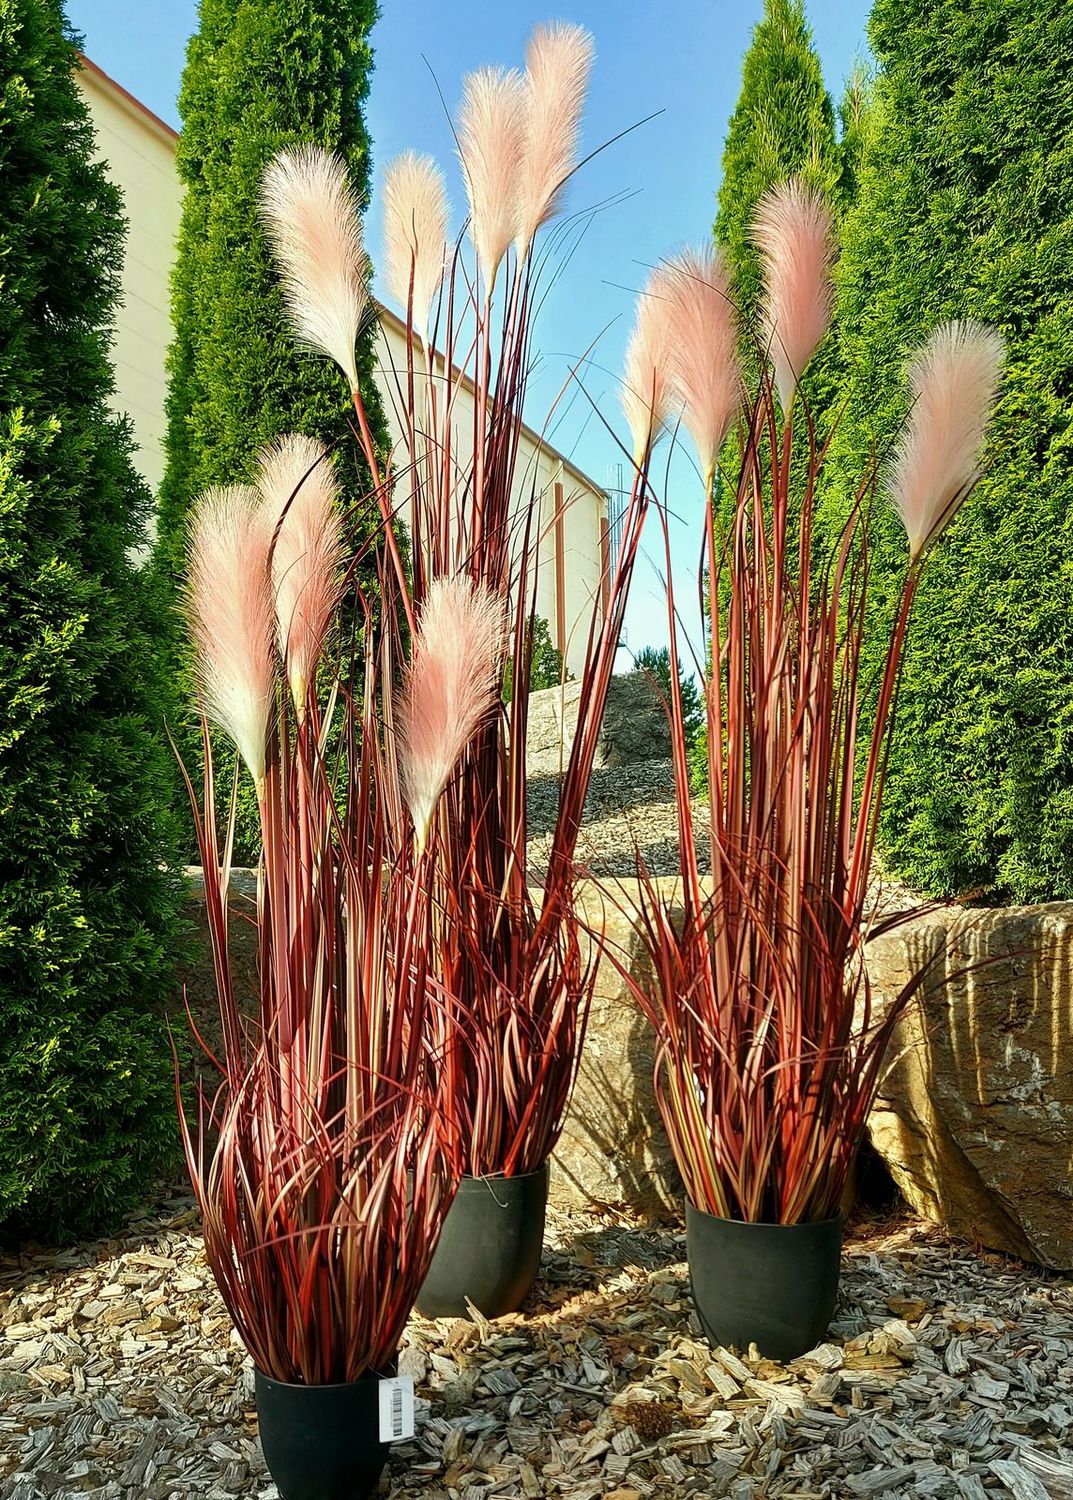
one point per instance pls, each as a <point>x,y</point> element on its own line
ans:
<point>86,1100</point>
<point>260,75</point>
<point>966,209</point>
<point>853,116</point>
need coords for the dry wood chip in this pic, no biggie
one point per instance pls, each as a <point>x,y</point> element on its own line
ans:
<point>1017,1479</point>
<point>970,1487</point>
<point>768,1390</point>
<point>733,1365</point>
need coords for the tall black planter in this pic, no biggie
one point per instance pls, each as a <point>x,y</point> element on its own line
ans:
<point>321,1442</point>
<point>772,1285</point>
<point>490,1247</point>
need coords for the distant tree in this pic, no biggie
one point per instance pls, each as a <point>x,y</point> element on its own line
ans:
<point>260,75</point>
<point>86,909</point>
<point>966,209</point>
<point>655,661</point>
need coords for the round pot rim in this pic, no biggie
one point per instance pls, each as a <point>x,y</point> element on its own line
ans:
<point>496,1177</point>
<point>767,1223</point>
<point>336,1385</point>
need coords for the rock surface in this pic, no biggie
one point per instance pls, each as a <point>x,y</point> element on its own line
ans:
<point>613,1150</point>
<point>975,1115</point>
<point>634,725</point>
<point>975,1119</point>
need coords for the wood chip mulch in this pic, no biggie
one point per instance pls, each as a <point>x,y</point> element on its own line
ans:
<point>947,1373</point>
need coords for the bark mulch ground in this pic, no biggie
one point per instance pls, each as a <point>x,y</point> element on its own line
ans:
<point>947,1373</point>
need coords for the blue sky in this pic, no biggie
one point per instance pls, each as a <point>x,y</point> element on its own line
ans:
<point>682,58</point>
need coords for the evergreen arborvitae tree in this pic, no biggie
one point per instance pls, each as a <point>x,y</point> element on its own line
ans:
<point>261,75</point>
<point>783,126</point>
<point>86,913</point>
<point>966,209</point>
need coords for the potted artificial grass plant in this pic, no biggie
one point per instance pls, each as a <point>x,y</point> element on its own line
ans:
<point>506,945</point>
<point>326,1159</point>
<point>768,1051</point>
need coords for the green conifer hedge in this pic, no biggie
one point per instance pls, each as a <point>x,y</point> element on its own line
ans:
<point>966,209</point>
<point>260,75</point>
<point>86,912</point>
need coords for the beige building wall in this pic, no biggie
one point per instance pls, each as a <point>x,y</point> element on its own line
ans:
<point>570,567</point>
<point>139,150</point>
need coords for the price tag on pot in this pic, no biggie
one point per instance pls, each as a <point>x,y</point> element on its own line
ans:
<point>396,1408</point>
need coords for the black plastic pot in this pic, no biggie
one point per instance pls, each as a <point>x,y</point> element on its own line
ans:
<point>772,1285</point>
<point>321,1442</point>
<point>490,1247</point>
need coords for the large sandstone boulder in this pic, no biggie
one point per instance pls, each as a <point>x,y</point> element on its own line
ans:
<point>613,1148</point>
<point>975,1117</point>
<point>634,725</point>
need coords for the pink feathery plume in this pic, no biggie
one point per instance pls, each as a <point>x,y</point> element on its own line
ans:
<point>229,609</point>
<point>558,60</point>
<point>451,683</point>
<point>792,230</point>
<point>312,217</point>
<point>646,390</point>
<point>299,494</point>
<point>490,142</point>
<point>702,334</point>
<point>954,378</point>
<point>415,233</point>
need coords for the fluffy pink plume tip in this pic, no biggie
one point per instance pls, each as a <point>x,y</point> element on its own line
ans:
<point>954,377</point>
<point>793,232</point>
<point>415,233</point>
<point>229,607</point>
<point>452,682</point>
<point>300,498</point>
<point>703,339</point>
<point>558,61</point>
<point>646,389</point>
<point>312,217</point>
<point>491,122</point>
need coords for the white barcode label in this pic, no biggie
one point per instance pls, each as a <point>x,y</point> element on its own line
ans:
<point>396,1408</point>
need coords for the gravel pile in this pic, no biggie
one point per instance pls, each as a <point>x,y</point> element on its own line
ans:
<point>946,1374</point>
<point>628,807</point>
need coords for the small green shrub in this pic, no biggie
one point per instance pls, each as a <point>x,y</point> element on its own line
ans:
<point>546,663</point>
